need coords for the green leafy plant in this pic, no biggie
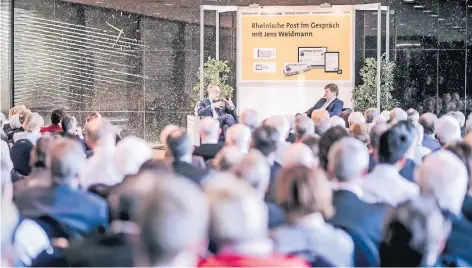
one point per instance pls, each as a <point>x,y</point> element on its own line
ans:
<point>365,95</point>
<point>214,72</point>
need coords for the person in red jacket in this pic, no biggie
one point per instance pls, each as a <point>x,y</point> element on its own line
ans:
<point>55,126</point>
<point>239,227</point>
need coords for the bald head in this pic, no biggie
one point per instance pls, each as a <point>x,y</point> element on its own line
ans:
<point>299,154</point>
<point>239,135</point>
<point>209,130</point>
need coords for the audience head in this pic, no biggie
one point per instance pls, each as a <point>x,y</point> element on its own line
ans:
<point>398,114</point>
<point>264,139</point>
<point>419,133</point>
<point>155,166</point>
<point>331,91</point>
<point>9,221</point>
<point>345,116</point>
<point>281,124</point>
<point>370,115</point>
<point>463,151</point>
<point>56,116</point>
<point>356,118</point>
<point>239,135</point>
<point>40,152</point>
<point>348,160</point>
<point>6,166</point>
<point>303,126</point>
<point>386,114</point>
<point>428,121</point>
<point>335,121</point>
<point>313,142</point>
<point>92,116</point>
<point>468,125</point>
<point>99,132</point>
<point>459,116</point>
<point>34,123</point>
<point>130,154</point>
<point>227,158</point>
<point>209,130</point>
<point>447,129</point>
<point>327,140</point>
<point>254,169</point>
<point>214,92</point>
<point>15,121</point>
<point>16,110</point>
<point>360,131</point>
<point>174,223</point>
<point>299,154</point>
<point>20,155</point>
<point>69,123</point>
<point>443,176</point>
<point>379,119</point>
<point>302,191</point>
<point>291,121</point>
<point>165,133</point>
<point>319,114</point>
<point>395,143</point>
<point>321,126</point>
<point>64,160</point>
<point>414,235</point>
<point>413,115</point>
<point>237,212</point>
<point>23,115</point>
<point>250,118</point>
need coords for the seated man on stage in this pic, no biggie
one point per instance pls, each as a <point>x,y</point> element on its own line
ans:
<point>329,102</point>
<point>223,110</point>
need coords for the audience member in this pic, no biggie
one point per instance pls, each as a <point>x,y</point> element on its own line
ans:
<point>327,140</point>
<point>459,116</point>
<point>313,142</point>
<point>408,169</point>
<point>239,136</point>
<point>447,130</point>
<point>420,151</point>
<point>32,128</point>
<point>356,118</point>
<point>414,234</point>
<point>384,183</point>
<point>319,114</point>
<point>250,118</point>
<point>306,197</point>
<point>130,155</point>
<point>281,125</point>
<point>227,158</point>
<point>254,169</point>
<point>468,131</point>
<point>397,115</point>
<point>370,114</point>
<point>71,131</point>
<point>300,154</point>
<point>180,147</point>
<point>321,126</point>
<point>345,116</point>
<point>360,131</point>
<point>173,237</point>
<point>428,121</point>
<point>209,135</point>
<point>20,154</point>
<point>6,166</point>
<point>16,110</point>
<point>386,114</point>
<point>9,220</point>
<point>374,141</point>
<point>303,126</point>
<point>238,226</point>
<point>14,127</point>
<point>291,138</point>
<point>348,162</point>
<point>101,167</point>
<point>413,115</point>
<point>55,126</point>
<point>444,177</point>
<point>335,121</point>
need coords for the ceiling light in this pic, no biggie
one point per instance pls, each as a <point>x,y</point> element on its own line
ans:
<point>434,15</point>
<point>456,27</point>
<point>419,6</point>
<point>409,1</point>
<point>427,11</point>
<point>441,19</point>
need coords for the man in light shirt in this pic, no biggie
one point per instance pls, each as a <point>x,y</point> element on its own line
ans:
<point>384,183</point>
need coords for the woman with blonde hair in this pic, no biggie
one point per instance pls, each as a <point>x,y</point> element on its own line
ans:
<point>306,197</point>
<point>32,126</point>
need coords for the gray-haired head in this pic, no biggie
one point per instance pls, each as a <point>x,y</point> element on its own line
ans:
<point>370,114</point>
<point>321,126</point>
<point>99,132</point>
<point>337,121</point>
<point>250,118</point>
<point>239,135</point>
<point>227,157</point>
<point>303,126</point>
<point>254,169</point>
<point>348,159</point>
<point>64,160</point>
<point>398,114</point>
<point>356,118</point>
<point>174,222</point>
<point>428,121</point>
<point>299,154</point>
<point>281,124</point>
<point>413,115</point>
<point>209,130</point>
<point>447,129</point>
<point>443,176</point>
<point>459,116</point>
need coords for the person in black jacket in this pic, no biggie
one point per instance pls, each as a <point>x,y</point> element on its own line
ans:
<point>209,134</point>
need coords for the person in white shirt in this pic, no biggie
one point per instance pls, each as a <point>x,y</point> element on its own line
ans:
<point>100,168</point>
<point>384,183</point>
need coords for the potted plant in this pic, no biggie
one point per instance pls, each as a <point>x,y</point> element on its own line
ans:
<point>365,95</point>
<point>214,72</point>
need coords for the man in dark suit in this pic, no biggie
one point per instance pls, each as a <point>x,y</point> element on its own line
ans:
<point>82,212</point>
<point>352,213</point>
<point>209,134</point>
<point>329,102</point>
<point>180,147</point>
<point>213,106</point>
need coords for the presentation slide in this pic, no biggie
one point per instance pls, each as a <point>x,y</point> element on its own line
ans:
<point>278,45</point>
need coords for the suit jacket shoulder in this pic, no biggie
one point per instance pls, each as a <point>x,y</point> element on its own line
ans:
<point>189,171</point>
